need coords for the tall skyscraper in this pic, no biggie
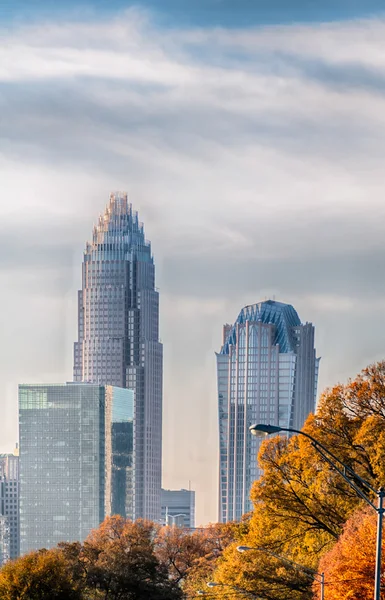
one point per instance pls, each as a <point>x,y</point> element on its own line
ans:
<point>76,456</point>
<point>9,499</point>
<point>118,335</point>
<point>178,508</point>
<point>267,372</point>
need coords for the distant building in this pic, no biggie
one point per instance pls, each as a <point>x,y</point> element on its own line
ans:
<point>76,460</point>
<point>178,508</point>
<point>5,534</point>
<point>118,335</point>
<point>267,373</point>
<point>9,499</point>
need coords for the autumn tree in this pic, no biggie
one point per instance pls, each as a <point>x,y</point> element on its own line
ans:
<point>259,571</point>
<point>349,566</point>
<point>118,562</point>
<point>179,550</point>
<point>42,575</point>
<point>198,555</point>
<point>300,490</point>
<point>301,502</point>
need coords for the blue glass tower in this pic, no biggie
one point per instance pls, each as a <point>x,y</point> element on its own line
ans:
<point>267,372</point>
<point>118,336</point>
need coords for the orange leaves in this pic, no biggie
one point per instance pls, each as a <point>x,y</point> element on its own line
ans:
<point>195,553</point>
<point>349,566</point>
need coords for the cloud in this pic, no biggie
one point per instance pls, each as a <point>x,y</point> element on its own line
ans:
<point>255,159</point>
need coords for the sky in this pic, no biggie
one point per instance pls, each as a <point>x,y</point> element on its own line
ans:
<point>250,137</point>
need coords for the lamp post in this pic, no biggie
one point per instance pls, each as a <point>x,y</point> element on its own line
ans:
<point>320,577</point>
<point>351,477</point>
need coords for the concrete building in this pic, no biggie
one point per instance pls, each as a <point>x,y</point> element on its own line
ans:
<point>76,460</point>
<point>118,335</point>
<point>267,372</point>
<point>9,500</point>
<point>178,508</point>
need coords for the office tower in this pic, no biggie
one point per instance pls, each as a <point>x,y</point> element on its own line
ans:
<point>76,457</point>
<point>178,508</point>
<point>9,499</point>
<point>267,372</point>
<point>118,335</point>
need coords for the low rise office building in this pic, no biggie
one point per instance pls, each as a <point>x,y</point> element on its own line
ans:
<point>76,460</point>
<point>178,508</point>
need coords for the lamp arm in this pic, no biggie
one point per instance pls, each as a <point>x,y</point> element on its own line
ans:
<point>323,450</point>
<point>307,570</point>
<point>343,474</point>
<point>245,592</point>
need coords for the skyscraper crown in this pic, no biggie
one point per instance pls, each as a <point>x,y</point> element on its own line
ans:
<point>283,316</point>
<point>119,229</point>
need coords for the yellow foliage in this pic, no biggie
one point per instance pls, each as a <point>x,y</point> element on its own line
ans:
<point>42,575</point>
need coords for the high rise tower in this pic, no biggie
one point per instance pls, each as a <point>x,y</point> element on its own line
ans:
<point>267,373</point>
<point>118,335</point>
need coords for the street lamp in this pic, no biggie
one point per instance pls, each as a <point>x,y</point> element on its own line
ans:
<point>320,577</point>
<point>351,477</point>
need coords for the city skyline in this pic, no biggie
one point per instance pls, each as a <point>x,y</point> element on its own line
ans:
<point>254,156</point>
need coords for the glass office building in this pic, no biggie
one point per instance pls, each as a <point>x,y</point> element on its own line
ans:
<point>267,372</point>
<point>76,460</point>
<point>118,335</point>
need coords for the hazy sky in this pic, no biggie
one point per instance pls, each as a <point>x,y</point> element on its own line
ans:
<point>251,142</point>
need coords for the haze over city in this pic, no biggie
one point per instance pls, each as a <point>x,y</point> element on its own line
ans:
<point>252,149</point>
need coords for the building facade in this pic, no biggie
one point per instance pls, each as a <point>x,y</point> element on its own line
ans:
<point>267,372</point>
<point>9,500</point>
<point>5,540</point>
<point>76,460</point>
<point>118,335</point>
<point>178,508</point>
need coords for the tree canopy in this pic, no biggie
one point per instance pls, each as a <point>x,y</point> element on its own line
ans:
<point>301,504</point>
<point>42,575</point>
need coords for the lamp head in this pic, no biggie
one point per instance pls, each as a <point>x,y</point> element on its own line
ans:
<point>212,584</point>
<point>261,430</point>
<point>244,548</point>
